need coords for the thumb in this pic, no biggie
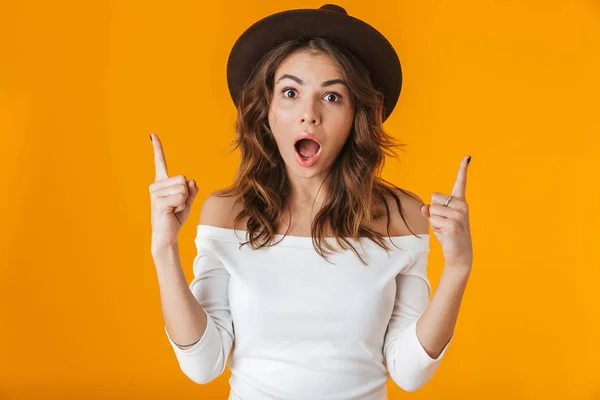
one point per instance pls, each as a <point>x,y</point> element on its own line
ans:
<point>425,210</point>
<point>193,189</point>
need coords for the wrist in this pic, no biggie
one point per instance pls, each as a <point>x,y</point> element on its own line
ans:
<point>161,248</point>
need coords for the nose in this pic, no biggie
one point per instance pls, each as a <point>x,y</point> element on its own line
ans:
<point>310,114</point>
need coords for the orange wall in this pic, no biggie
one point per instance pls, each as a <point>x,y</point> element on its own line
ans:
<point>82,84</point>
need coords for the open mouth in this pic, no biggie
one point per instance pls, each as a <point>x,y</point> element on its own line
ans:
<point>307,148</point>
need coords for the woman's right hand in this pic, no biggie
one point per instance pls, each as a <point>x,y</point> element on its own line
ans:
<point>171,200</point>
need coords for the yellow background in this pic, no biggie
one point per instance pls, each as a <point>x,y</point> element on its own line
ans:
<point>82,85</point>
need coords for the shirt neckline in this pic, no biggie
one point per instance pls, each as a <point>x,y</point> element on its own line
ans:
<point>237,235</point>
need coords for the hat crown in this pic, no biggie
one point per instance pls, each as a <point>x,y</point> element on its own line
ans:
<point>333,7</point>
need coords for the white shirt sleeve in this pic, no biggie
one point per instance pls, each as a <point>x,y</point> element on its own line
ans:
<point>206,360</point>
<point>408,363</point>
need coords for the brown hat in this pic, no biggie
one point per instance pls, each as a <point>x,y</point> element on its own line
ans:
<point>329,21</point>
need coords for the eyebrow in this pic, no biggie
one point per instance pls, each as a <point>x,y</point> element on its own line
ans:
<point>301,82</point>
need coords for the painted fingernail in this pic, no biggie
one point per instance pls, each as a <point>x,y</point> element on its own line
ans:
<point>469,160</point>
<point>150,137</point>
<point>420,208</point>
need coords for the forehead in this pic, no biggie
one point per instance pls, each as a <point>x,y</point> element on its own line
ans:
<point>306,64</point>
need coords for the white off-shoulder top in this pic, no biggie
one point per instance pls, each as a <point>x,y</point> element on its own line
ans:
<point>290,325</point>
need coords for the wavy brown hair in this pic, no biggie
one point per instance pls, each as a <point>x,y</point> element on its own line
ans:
<point>355,190</point>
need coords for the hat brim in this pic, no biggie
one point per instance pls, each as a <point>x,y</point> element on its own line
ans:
<point>364,41</point>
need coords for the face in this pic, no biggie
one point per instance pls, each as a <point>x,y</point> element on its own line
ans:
<point>310,96</point>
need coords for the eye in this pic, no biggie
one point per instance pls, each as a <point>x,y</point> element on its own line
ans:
<point>335,96</point>
<point>331,97</point>
<point>284,91</point>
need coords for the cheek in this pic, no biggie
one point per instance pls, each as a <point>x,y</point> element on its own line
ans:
<point>343,122</point>
<point>278,123</point>
<point>281,114</point>
<point>342,125</point>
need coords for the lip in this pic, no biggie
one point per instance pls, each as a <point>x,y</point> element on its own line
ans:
<point>310,162</point>
<point>307,135</point>
<point>313,159</point>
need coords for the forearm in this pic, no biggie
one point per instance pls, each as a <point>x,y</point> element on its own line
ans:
<point>436,325</point>
<point>184,318</point>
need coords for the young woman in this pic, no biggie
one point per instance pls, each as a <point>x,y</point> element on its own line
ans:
<point>312,88</point>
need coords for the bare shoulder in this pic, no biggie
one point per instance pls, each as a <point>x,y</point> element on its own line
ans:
<point>410,204</point>
<point>219,210</point>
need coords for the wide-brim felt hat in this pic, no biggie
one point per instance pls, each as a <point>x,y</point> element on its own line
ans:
<point>329,21</point>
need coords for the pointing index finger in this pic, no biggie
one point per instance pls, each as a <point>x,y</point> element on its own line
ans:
<point>460,186</point>
<point>160,163</point>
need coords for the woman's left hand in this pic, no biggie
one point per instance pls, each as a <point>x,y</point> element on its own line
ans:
<point>450,224</point>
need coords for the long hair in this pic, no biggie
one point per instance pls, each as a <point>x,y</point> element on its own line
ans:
<point>355,190</point>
